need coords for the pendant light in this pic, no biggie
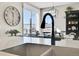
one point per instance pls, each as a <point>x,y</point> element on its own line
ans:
<point>52,10</point>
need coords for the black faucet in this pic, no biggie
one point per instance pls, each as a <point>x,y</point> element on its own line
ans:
<point>43,26</point>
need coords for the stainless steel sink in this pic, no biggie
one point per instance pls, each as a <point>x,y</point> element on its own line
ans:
<point>61,51</point>
<point>28,49</point>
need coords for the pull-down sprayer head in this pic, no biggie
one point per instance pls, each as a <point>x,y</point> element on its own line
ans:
<point>43,24</point>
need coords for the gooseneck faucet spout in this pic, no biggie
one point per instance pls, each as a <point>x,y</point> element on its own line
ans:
<point>43,26</point>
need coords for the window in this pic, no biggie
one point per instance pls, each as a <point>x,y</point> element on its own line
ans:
<point>48,21</point>
<point>29,21</point>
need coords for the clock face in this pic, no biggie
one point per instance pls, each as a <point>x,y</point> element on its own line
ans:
<point>12,16</point>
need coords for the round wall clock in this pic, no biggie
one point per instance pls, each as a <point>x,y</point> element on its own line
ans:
<point>12,16</point>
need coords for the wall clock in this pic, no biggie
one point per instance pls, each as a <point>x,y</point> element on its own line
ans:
<point>12,16</point>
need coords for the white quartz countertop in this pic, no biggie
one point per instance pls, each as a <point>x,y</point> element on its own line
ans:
<point>6,54</point>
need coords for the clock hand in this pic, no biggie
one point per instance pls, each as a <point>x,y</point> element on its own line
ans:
<point>12,18</point>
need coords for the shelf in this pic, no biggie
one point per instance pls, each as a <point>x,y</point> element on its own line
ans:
<point>72,21</point>
<point>72,25</point>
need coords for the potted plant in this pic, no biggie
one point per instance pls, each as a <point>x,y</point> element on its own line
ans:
<point>69,8</point>
<point>13,32</point>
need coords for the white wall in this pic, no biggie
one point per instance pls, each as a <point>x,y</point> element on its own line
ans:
<point>60,20</point>
<point>5,40</point>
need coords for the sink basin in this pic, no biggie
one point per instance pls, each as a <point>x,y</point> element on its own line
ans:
<point>31,49</point>
<point>61,51</point>
<point>28,49</point>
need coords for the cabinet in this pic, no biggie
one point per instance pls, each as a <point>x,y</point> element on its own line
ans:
<point>72,23</point>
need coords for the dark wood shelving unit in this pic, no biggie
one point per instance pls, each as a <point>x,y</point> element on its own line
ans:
<point>72,23</point>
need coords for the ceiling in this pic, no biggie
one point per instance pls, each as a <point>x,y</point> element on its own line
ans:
<point>48,4</point>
